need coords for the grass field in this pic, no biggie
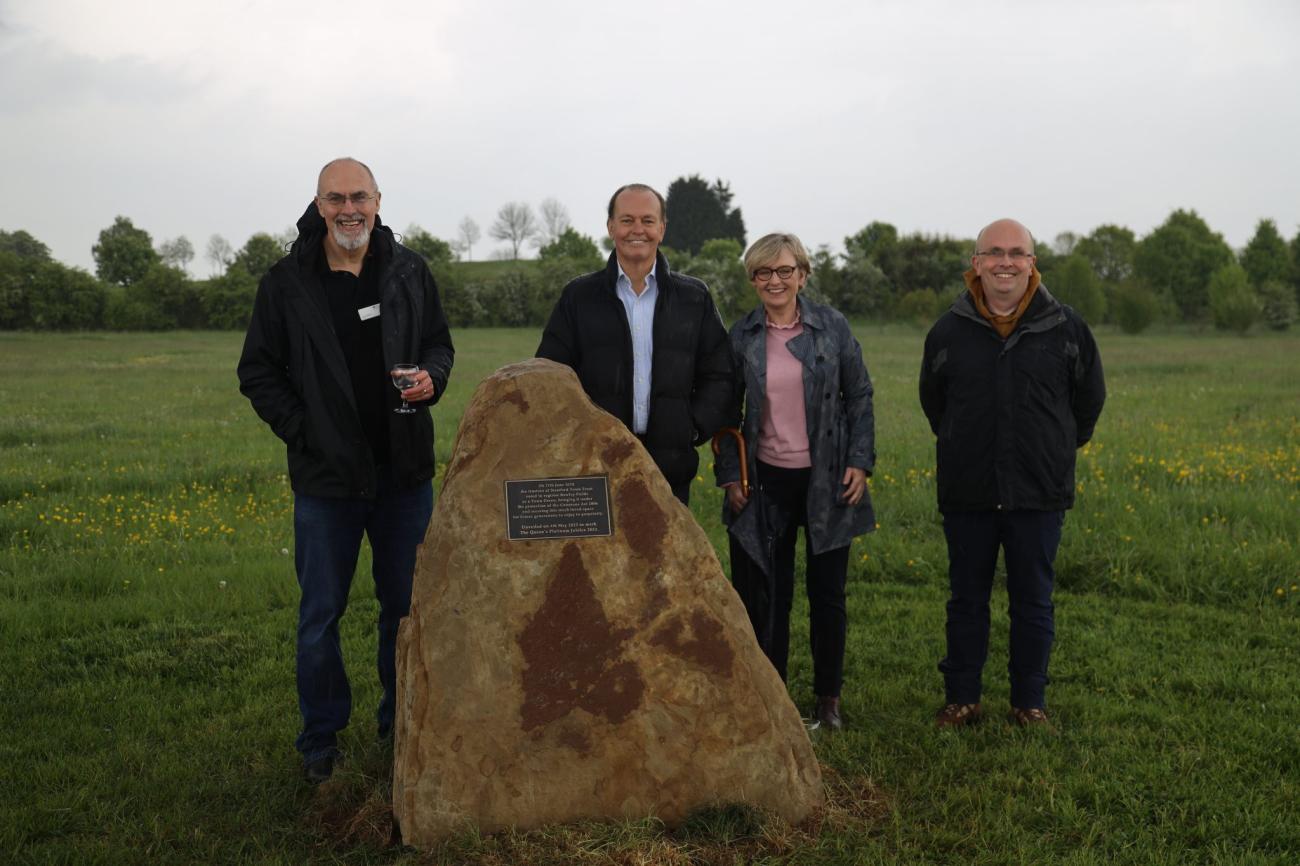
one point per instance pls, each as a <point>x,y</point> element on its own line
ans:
<point>148,604</point>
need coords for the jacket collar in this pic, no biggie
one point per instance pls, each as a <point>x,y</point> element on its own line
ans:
<point>662,275</point>
<point>1043,311</point>
<point>311,234</point>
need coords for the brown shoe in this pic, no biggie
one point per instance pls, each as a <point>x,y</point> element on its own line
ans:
<point>1034,717</point>
<point>957,716</point>
<point>828,713</point>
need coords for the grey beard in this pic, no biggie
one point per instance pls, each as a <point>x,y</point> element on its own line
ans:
<point>347,242</point>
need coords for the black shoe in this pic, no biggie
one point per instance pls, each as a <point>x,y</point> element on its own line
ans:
<point>828,713</point>
<point>319,770</point>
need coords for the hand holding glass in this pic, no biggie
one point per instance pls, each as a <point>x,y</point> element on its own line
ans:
<point>403,378</point>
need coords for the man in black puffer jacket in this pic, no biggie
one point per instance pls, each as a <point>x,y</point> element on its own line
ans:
<point>330,321</point>
<point>1012,385</point>
<point>647,344</point>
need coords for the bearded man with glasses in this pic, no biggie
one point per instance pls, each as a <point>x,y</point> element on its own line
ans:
<point>345,307</point>
<point>1012,385</point>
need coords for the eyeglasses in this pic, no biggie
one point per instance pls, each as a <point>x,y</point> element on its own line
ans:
<point>1016,255</point>
<point>765,274</point>
<point>336,199</point>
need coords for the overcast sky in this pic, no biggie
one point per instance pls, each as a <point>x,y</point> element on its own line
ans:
<point>214,117</point>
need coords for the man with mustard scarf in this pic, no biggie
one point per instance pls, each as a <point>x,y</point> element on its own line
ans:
<point>1012,385</point>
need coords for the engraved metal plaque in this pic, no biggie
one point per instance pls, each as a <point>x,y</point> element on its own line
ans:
<point>539,508</point>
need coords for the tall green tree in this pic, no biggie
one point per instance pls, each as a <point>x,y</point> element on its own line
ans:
<point>432,249</point>
<point>1109,249</point>
<point>258,254</point>
<point>572,244</point>
<point>1178,258</point>
<point>22,244</point>
<point>719,265</point>
<point>700,212</point>
<point>1266,257</point>
<point>124,253</point>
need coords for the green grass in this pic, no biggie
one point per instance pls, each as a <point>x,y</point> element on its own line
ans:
<point>148,604</point>
<point>490,269</point>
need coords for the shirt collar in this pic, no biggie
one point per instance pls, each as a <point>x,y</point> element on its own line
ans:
<point>798,320</point>
<point>651,281</point>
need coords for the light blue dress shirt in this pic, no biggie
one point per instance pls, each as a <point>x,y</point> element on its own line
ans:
<point>640,319</point>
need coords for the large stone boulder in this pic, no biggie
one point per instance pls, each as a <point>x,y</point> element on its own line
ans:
<point>544,681</point>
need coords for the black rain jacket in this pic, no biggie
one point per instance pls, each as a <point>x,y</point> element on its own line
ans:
<point>690,375</point>
<point>1009,414</point>
<point>294,372</point>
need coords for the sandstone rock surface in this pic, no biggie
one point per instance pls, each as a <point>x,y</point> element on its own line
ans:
<point>545,681</point>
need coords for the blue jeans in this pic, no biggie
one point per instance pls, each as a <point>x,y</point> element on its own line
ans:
<point>1028,540</point>
<point>327,542</point>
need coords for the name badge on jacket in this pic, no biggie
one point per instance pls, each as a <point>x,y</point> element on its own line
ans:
<point>371,312</point>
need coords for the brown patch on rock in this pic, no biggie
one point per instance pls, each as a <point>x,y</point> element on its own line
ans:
<point>707,646</point>
<point>572,653</point>
<point>618,451</point>
<point>516,399</point>
<point>642,521</point>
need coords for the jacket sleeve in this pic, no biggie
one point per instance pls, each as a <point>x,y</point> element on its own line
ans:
<point>560,336</point>
<point>436,350</point>
<point>726,463</point>
<point>855,384</point>
<point>1089,385</point>
<point>713,404</point>
<point>264,368</point>
<point>933,398</point>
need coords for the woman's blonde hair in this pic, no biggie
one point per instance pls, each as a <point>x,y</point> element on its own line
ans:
<point>768,249</point>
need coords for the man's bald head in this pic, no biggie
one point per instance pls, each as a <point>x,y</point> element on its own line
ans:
<point>374,185</point>
<point>1001,227</point>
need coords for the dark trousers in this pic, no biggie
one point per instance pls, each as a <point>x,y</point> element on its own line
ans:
<point>1028,540</point>
<point>769,598</point>
<point>327,542</point>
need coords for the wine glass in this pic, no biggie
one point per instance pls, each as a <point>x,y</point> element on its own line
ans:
<point>403,378</point>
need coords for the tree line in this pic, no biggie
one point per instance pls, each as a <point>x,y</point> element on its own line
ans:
<point>1182,271</point>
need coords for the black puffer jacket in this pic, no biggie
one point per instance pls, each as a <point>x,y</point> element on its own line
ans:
<point>690,375</point>
<point>1009,414</point>
<point>294,372</point>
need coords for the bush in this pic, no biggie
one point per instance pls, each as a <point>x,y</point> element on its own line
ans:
<point>919,305</point>
<point>227,301</point>
<point>1074,283</point>
<point>1135,307</point>
<point>1277,305</point>
<point>62,298</point>
<point>1233,303</point>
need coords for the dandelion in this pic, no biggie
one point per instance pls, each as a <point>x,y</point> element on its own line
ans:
<point>284,551</point>
<point>221,584</point>
<point>1279,592</point>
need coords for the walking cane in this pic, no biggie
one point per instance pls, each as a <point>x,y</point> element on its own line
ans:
<point>744,461</point>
